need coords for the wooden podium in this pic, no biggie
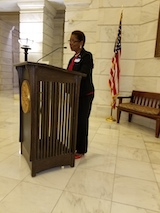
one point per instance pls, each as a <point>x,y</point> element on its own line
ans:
<point>49,99</point>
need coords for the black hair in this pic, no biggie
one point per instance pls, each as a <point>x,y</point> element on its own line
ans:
<point>80,35</point>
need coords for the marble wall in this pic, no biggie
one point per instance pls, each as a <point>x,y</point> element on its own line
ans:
<point>15,56</point>
<point>58,34</point>
<point>5,56</point>
<point>99,19</point>
<point>8,50</point>
<point>31,27</point>
<point>38,22</point>
<point>146,73</point>
<point>48,31</point>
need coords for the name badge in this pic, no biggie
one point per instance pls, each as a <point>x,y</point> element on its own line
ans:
<point>77,60</point>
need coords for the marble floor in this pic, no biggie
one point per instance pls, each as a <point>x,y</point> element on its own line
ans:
<point>119,174</point>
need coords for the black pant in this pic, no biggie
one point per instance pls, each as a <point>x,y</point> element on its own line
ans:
<point>85,104</point>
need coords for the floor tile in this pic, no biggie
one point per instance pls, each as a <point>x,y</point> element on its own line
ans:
<point>153,146</point>
<point>103,148</point>
<point>98,162</point>
<point>91,183</point>
<point>156,170</point>
<point>105,138</point>
<point>133,153</point>
<point>3,156</point>
<point>28,197</point>
<point>6,185</point>
<point>120,173</point>
<point>14,167</point>
<point>131,140</point>
<point>136,192</point>
<point>53,178</point>
<point>132,168</point>
<point>154,157</point>
<point>120,208</point>
<point>70,202</point>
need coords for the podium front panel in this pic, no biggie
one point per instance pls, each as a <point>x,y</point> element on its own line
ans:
<point>48,130</point>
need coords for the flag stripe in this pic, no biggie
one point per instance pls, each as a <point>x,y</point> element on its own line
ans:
<point>115,68</point>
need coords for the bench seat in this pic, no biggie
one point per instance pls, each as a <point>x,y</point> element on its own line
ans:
<point>146,104</point>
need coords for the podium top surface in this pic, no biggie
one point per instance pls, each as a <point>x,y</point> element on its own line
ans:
<point>48,66</point>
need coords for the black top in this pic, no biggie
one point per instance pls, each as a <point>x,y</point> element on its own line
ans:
<point>84,64</point>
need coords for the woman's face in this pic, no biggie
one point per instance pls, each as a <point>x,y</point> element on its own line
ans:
<point>75,44</point>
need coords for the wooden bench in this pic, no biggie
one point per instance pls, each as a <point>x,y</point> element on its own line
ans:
<point>146,104</point>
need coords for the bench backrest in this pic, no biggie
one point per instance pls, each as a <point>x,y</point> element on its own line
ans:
<point>150,99</point>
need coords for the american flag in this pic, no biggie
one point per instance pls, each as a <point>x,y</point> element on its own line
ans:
<point>115,69</point>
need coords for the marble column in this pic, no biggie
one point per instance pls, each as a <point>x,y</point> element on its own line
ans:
<point>31,27</point>
<point>6,76</point>
<point>37,24</point>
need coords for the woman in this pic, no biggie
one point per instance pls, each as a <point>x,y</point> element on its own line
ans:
<point>82,62</point>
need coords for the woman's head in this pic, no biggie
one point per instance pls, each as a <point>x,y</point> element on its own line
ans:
<point>77,40</point>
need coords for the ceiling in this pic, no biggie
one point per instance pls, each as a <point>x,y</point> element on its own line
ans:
<point>11,6</point>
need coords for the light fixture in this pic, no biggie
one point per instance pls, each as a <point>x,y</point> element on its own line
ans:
<point>26,43</point>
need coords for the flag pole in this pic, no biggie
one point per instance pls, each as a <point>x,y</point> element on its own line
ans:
<point>111,117</point>
<point>115,70</point>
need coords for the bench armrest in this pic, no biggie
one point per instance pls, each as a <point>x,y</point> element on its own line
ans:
<point>122,97</point>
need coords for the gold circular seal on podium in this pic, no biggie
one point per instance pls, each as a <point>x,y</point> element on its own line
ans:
<point>25,96</point>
